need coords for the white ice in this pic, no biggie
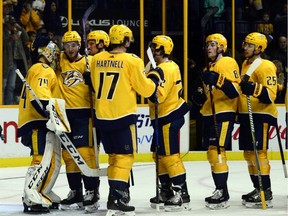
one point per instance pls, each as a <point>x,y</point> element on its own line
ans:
<point>199,181</point>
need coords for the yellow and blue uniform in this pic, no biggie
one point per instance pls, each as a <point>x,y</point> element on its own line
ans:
<point>264,116</point>
<point>171,110</point>
<point>76,95</point>
<point>224,99</point>
<point>116,78</point>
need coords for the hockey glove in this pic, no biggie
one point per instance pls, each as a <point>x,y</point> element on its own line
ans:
<point>87,78</point>
<point>213,78</point>
<point>157,75</point>
<point>199,97</point>
<point>251,88</point>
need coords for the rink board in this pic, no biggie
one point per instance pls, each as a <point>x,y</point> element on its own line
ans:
<point>13,153</point>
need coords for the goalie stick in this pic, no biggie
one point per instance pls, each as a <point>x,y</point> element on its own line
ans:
<point>66,142</point>
<point>246,77</point>
<point>153,63</point>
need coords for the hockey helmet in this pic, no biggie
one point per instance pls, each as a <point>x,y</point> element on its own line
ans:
<point>163,41</point>
<point>99,35</point>
<point>257,39</point>
<point>118,34</point>
<point>71,36</point>
<point>219,39</point>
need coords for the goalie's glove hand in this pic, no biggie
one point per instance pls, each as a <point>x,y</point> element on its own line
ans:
<point>251,88</point>
<point>213,79</point>
<point>157,75</point>
<point>87,78</point>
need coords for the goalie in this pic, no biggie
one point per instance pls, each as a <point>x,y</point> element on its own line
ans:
<point>45,147</point>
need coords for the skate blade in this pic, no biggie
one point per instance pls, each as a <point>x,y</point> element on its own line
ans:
<point>74,206</point>
<point>177,208</point>
<point>216,206</point>
<point>258,205</point>
<point>92,208</point>
<point>155,205</point>
<point>119,213</point>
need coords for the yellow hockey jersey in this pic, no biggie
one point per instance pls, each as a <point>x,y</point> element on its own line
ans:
<point>72,87</point>
<point>265,74</point>
<point>116,77</point>
<point>171,104</point>
<point>43,82</point>
<point>224,105</point>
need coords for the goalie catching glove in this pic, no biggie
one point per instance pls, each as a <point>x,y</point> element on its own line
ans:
<point>156,75</point>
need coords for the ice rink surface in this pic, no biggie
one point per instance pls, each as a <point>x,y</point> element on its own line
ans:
<point>199,181</point>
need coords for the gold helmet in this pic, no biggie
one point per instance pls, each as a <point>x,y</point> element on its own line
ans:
<point>164,41</point>
<point>99,35</point>
<point>48,51</point>
<point>118,33</point>
<point>219,39</point>
<point>257,39</point>
<point>70,36</point>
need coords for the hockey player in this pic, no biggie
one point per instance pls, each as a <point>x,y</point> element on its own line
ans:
<point>76,95</point>
<point>221,86</point>
<point>38,196</point>
<point>97,41</point>
<point>116,77</point>
<point>262,89</point>
<point>171,111</point>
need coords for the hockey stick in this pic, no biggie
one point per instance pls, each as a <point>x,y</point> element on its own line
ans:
<point>66,142</point>
<point>246,77</point>
<point>153,63</point>
<point>214,115</point>
<point>84,20</point>
<point>281,150</point>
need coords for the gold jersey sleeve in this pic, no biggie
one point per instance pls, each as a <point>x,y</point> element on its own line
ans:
<point>116,77</point>
<point>171,105</point>
<point>265,74</point>
<point>71,83</point>
<point>223,104</point>
<point>43,82</point>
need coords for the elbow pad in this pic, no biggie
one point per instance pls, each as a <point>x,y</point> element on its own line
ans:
<point>229,89</point>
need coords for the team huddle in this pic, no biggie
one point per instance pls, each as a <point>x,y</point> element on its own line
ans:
<point>100,92</point>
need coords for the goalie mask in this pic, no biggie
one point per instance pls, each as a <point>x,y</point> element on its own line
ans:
<point>48,51</point>
<point>119,33</point>
<point>219,39</point>
<point>99,35</point>
<point>163,41</point>
<point>257,39</point>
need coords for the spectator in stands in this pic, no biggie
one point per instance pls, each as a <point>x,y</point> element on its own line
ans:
<point>280,21</point>
<point>280,53</point>
<point>208,4</point>
<point>265,26</point>
<point>280,82</point>
<point>52,21</point>
<point>29,18</point>
<point>15,37</point>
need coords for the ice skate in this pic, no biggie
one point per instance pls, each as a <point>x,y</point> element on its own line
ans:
<point>74,200</point>
<point>219,200</point>
<point>117,204</point>
<point>254,199</point>
<point>179,201</point>
<point>244,196</point>
<point>165,193</point>
<point>90,201</point>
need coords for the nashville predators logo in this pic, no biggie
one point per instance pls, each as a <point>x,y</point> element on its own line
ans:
<point>72,78</point>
